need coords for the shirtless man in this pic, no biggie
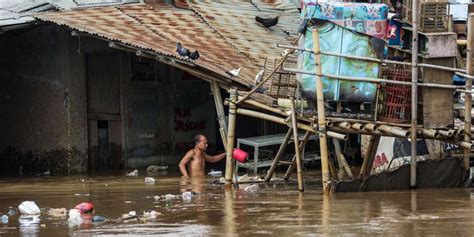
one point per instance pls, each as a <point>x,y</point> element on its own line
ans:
<point>197,157</point>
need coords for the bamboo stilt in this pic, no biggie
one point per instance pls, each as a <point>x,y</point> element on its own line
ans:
<point>297,148</point>
<point>278,156</point>
<point>414,91</point>
<point>321,114</point>
<point>332,168</point>
<point>290,169</point>
<point>341,159</point>
<point>468,96</point>
<point>371,150</point>
<point>216,92</point>
<point>230,138</point>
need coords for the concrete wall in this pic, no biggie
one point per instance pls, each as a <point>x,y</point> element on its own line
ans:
<point>35,98</point>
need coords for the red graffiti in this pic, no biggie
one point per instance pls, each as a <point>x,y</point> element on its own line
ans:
<point>182,113</point>
<point>379,161</point>
<point>188,125</point>
<point>183,121</point>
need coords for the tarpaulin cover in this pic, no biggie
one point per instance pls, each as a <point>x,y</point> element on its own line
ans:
<point>334,38</point>
<point>367,18</point>
<point>444,173</point>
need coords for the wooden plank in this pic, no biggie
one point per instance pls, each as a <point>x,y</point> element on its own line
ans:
<point>93,139</point>
<point>103,83</point>
<point>437,104</point>
<point>115,144</point>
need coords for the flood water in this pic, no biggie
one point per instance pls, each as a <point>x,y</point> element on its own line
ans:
<point>274,209</point>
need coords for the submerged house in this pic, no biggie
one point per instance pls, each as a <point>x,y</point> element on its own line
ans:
<point>99,85</point>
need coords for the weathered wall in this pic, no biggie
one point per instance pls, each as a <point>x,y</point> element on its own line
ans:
<point>35,100</point>
<point>44,116</point>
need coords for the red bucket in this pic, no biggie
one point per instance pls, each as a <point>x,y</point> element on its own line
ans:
<point>240,155</point>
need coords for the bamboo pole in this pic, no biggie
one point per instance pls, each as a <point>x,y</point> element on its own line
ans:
<point>321,114</point>
<point>357,126</point>
<point>230,138</point>
<point>290,169</point>
<point>445,133</point>
<point>332,168</point>
<point>376,80</point>
<point>297,148</point>
<point>371,127</point>
<point>279,120</point>
<point>216,92</point>
<point>468,96</point>
<point>371,150</point>
<point>414,91</point>
<point>369,59</point>
<point>344,125</point>
<point>341,159</point>
<point>278,156</point>
<point>394,130</point>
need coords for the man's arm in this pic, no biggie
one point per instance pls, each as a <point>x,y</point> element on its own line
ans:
<point>184,162</point>
<point>216,158</point>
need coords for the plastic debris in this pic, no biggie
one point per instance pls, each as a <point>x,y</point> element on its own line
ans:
<point>29,220</point>
<point>74,217</point>
<point>43,226</point>
<point>252,188</point>
<point>169,197</point>
<point>156,168</point>
<point>187,196</point>
<point>84,207</point>
<point>11,212</point>
<point>133,173</point>
<point>57,212</point>
<point>130,215</point>
<point>4,219</point>
<point>156,198</point>
<point>151,215</point>
<point>243,178</point>
<point>215,173</point>
<point>98,219</point>
<point>149,180</point>
<point>29,208</point>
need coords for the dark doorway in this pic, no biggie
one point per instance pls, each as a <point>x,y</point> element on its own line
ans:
<point>103,111</point>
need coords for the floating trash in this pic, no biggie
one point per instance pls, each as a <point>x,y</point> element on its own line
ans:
<point>57,212</point>
<point>29,208</point>
<point>215,173</point>
<point>133,173</point>
<point>149,180</point>
<point>4,219</point>
<point>187,196</point>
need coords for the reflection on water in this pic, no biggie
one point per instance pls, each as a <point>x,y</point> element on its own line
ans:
<point>271,209</point>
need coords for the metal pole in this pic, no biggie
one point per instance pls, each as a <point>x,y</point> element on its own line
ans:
<point>230,137</point>
<point>468,96</point>
<point>323,143</point>
<point>414,91</point>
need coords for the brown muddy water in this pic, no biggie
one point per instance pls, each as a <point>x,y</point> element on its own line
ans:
<point>274,209</point>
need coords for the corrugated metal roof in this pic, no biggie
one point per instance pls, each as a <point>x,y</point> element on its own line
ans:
<point>15,12</point>
<point>158,29</point>
<point>235,21</point>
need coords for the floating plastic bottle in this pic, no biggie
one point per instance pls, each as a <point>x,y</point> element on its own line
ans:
<point>5,219</point>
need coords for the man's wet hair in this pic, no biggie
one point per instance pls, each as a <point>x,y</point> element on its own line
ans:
<point>196,139</point>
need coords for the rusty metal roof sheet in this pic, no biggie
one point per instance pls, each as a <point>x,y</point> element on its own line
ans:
<point>158,28</point>
<point>235,21</point>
